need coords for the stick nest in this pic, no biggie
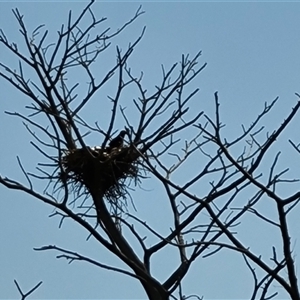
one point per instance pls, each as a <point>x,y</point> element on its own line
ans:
<point>102,170</point>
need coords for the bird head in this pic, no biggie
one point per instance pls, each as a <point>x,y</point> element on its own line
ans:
<point>122,133</point>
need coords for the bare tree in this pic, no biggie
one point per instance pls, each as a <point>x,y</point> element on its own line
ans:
<point>91,184</point>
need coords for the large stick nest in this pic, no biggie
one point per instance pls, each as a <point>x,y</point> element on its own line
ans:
<point>102,170</point>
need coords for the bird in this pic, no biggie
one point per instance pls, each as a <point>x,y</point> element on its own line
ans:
<point>118,141</point>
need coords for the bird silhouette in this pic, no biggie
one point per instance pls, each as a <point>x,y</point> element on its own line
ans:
<point>118,141</point>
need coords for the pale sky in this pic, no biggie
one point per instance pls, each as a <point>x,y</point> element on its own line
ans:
<point>253,55</point>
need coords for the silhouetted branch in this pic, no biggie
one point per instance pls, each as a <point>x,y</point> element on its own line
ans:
<point>24,296</point>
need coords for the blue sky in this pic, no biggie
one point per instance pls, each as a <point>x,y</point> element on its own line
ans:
<point>253,55</point>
